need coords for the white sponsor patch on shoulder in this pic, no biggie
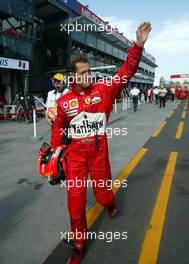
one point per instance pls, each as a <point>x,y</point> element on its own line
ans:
<point>70,104</point>
<point>72,112</point>
<point>65,105</point>
<point>96,99</point>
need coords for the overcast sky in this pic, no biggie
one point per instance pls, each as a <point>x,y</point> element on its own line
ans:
<point>169,39</point>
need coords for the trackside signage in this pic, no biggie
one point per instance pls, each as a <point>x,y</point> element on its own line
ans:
<point>179,76</point>
<point>7,63</point>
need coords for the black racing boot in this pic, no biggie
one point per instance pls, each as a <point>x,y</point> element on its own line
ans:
<point>112,211</point>
<point>77,255</point>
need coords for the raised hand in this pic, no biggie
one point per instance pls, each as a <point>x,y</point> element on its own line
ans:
<point>142,33</point>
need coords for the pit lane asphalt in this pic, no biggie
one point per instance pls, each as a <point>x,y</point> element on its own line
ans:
<point>136,204</point>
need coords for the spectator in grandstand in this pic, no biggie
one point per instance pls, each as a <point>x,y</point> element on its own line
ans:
<point>11,32</point>
<point>90,54</point>
<point>78,50</point>
<point>19,33</point>
<point>73,48</point>
<point>59,55</point>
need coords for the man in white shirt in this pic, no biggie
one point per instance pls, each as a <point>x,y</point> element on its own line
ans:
<point>135,94</point>
<point>53,96</point>
<point>162,96</point>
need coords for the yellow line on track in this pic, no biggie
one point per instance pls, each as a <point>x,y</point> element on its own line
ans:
<point>170,114</point>
<point>94,212</point>
<point>159,129</point>
<point>150,247</point>
<point>176,107</point>
<point>179,130</point>
<point>184,114</point>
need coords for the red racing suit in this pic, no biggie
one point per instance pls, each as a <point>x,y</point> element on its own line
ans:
<point>87,112</point>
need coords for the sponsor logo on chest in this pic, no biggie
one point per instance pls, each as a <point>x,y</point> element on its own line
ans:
<point>70,107</point>
<point>87,124</point>
<point>70,104</point>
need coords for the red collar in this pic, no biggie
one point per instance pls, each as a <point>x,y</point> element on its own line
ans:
<point>76,91</point>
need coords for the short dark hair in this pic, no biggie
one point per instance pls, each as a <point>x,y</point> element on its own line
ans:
<point>78,60</point>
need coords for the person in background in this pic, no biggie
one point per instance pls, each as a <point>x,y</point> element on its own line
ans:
<point>135,95</point>
<point>156,93</point>
<point>1,25</point>
<point>3,100</point>
<point>126,92</point>
<point>142,97</point>
<point>19,33</point>
<point>145,91</point>
<point>11,32</point>
<point>182,94</point>
<point>150,95</point>
<point>53,96</point>
<point>172,90</point>
<point>177,92</point>
<point>186,91</point>
<point>162,96</point>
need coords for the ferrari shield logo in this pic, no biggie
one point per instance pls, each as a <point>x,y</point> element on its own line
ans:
<point>87,100</point>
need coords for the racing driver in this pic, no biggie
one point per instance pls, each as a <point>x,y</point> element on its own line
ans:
<point>86,109</point>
